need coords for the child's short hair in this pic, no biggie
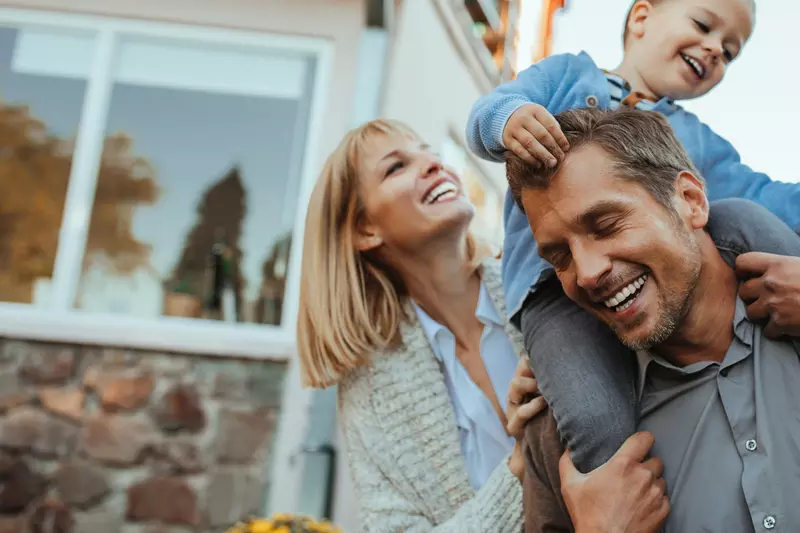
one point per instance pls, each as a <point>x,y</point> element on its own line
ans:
<point>654,3</point>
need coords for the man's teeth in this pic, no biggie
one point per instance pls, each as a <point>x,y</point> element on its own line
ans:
<point>625,293</point>
<point>696,66</point>
<point>440,192</point>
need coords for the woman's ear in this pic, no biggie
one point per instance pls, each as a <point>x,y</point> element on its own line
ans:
<point>367,239</point>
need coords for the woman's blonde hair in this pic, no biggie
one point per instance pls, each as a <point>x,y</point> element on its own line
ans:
<point>351,303</point>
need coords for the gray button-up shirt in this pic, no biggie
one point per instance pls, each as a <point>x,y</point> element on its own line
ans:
<point>729,434</point>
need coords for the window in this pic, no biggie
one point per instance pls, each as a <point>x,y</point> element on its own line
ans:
<point>150,171</point>
<point>492,23</point>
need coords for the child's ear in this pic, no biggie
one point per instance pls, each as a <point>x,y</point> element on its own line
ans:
<point>638,17</point>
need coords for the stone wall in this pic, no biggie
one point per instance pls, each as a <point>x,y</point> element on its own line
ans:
<point>103,440</point>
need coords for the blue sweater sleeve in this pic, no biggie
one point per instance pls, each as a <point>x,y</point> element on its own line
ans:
<point>489,115</point>
<point>727,177</point>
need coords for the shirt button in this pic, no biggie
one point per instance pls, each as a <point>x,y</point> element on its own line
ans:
<point>751,445</point>
<point>591,101</point>
<point>769,522</point>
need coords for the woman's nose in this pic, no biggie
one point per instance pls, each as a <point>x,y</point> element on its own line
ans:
<point>432,166</point>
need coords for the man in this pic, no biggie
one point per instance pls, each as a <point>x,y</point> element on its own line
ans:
<point>622,220</point>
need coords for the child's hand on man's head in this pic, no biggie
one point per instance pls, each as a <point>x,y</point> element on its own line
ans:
<point>534,135</point>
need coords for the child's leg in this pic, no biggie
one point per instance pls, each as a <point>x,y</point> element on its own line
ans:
<point>584,372</point>
<point>738,226</point>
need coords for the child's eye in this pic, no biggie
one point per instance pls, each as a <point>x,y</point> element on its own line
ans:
<point>702,27</point>
<point>728,55</point>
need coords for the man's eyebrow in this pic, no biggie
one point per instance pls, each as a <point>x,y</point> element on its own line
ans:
<point>589,217</point>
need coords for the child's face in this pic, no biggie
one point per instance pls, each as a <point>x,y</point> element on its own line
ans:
<point>681,48</point>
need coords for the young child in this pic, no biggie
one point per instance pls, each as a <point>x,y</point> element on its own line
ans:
<point>674,50</point>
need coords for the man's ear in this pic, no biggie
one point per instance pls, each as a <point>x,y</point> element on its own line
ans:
<point>637,19</point>
<point>692,199</point>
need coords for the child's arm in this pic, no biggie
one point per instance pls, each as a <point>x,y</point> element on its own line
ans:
<point>728,177</point>
<point>491,113</point>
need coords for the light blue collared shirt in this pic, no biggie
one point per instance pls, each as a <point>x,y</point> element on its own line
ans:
<point>484,441</point>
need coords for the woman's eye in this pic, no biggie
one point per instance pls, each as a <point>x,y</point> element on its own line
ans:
<point>394,167</point>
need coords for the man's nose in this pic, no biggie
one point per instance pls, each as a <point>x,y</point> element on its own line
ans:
<point>591,268</point>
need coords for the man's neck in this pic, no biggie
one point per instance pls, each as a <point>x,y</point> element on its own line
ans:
<point>706,332</point>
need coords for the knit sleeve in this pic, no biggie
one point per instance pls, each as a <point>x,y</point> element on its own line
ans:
<point>495,508</point>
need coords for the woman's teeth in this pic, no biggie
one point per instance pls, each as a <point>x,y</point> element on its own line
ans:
<point>624,298</point>
<point>440,192</point>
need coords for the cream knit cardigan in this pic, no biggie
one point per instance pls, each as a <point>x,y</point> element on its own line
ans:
<point>403,443</point>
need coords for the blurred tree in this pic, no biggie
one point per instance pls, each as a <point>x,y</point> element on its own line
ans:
<point>220,215</point>
<point>34,173</point>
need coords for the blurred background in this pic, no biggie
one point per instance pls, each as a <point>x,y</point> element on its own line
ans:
<point>156,157</point>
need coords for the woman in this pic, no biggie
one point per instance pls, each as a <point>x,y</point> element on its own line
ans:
<point>403,310</point>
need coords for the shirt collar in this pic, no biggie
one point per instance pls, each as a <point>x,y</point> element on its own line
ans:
<point>485,312</point>
<point>660,105</point>
<point>742,329</point>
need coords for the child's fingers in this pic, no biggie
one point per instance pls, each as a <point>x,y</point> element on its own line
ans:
<point>523,153</point>
<point>540,133</point>
<point>534,148</point>
<point>551,125</point>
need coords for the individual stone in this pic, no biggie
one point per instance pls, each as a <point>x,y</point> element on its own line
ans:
<point>27,428</point>
<point>91,377</point>
<point>12,393</point>
<point>80,484</point>
<point>126,393</point>
<point>19,485</point>
<point>13,524</point>
<point>100,521</point>
<point>182,456</point>
<point>13,350</point>
<point>52,516</point>
<point>115,439</point>
<point>180,408</point>
<point>64,402</point>
<point>164,499</point>
<point>231,497</point>
<point>48,365</point>
<point>266,384</point>
<point>242,435</point>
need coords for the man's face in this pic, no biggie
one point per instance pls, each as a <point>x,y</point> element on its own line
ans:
<point>617,251</point>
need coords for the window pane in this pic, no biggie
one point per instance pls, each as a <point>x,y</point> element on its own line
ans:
<point>41,96</point>
<point>197,190</point>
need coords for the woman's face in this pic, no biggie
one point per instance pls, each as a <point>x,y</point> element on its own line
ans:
<point>410,199</point>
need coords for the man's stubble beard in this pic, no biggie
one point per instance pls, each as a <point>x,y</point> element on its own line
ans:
<point>674,304</point>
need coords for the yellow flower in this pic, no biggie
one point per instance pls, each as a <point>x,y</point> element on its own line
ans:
<point>260,526</point>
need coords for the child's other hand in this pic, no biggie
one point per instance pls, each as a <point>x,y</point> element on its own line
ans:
<point>534,135</point>
<point>772,291</point>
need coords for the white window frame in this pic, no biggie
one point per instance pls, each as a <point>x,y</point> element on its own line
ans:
<point>60,322</point>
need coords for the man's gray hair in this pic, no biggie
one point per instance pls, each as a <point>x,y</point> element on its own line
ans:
<point>641,144</point>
